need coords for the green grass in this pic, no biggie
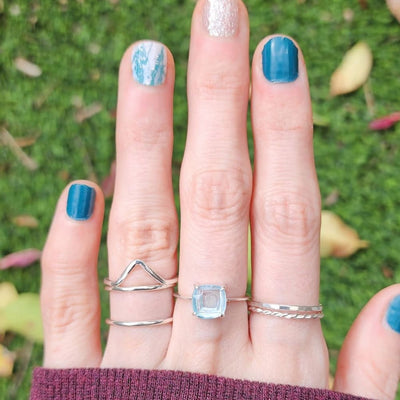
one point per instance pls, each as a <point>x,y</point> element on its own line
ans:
<point>362,165</point>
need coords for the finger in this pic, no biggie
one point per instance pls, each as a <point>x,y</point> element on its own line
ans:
<point>215,184</point>
<point>369,361</point>
<point>285,213</point>
<point>69,294</point>
<point>143,222</point>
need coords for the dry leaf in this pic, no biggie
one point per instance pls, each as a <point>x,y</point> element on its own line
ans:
<point>7,359</point>
<point>353,71</point>
<point>23,316</point>
<point>9,141</point>
<point>20,259</point>
<point>88,112</point>
<point>28,68</point>
<point>8,293</point>
<point>108,183</point>
<point>332,198</point>
<point>26,221</point>
<point>385,122</point>
<point>394,7</point>
<point>338,239</point>
<point>26,141</point>
<point>387,272</point>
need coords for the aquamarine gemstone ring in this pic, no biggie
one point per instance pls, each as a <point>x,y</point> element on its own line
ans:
<point>209,301</point>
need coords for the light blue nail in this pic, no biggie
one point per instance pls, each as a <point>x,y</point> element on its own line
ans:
<point>149,63</point>
<point>393,314</point>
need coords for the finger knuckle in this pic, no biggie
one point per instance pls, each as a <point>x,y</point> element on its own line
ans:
<point>290,218</point>
<point>147,237</point>
<point>145,132</point>
<point>218,196</point>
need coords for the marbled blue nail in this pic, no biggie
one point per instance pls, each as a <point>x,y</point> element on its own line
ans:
<point>280,60</point>
<point>393,314</point>
<point>149,63</point>
<point>80,203</point>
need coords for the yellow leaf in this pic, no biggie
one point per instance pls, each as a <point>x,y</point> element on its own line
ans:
<point>394,7</point>
<point>8,294</point>
<point>23,316</point>
<point>26,221</point>
<point>353,71</point>
<point>338,239</point>
<point>7,359</point>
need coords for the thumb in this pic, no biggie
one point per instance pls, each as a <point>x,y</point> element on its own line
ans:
<point>369,361</point>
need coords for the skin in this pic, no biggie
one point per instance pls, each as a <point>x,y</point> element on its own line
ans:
<point>220,195</point>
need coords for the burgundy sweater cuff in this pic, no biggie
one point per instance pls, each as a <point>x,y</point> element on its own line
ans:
<point>110,384</point>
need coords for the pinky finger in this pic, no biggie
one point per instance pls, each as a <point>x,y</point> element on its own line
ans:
<point>69,294</point>
<point>369,362</point>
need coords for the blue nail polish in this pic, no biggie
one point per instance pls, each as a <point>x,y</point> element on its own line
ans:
<point>149,63</point>
<point>280,60</point>
<point>80,203</point>
<point>393,314</point>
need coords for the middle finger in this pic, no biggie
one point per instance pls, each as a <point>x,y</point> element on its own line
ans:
<point>215,182</point>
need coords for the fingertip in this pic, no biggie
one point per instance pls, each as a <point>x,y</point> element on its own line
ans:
<point>369,362</point>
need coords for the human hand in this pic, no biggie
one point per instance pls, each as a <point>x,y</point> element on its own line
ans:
<point>219,194</point>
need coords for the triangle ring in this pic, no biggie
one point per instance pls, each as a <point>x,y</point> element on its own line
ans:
<point>160,283</point>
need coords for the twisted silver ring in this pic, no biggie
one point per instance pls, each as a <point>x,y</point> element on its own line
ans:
<point>161,282</point>
<point>287,311</point>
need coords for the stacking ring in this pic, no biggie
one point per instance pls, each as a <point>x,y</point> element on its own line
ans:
<point>209,301</point>
<point>287,311</point>
<point>139,323</point>
<point>161,282</point>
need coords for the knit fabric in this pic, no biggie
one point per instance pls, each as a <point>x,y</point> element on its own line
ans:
<point>124,384</point>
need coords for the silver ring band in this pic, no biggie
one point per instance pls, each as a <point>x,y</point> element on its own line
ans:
<point>229,299</point>
<point>139,323</point>
<point>117,285</point>
<point>287,311</point>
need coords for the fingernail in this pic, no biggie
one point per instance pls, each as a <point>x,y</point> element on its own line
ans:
<point>80,203</point>
<point>393,314</point>
<point>149,63</point>
<point>221,17</point>
<point>280,60</point>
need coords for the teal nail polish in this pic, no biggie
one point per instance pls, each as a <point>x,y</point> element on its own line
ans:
<point>80,203</point>
<point>149,63</point>
<point>393,314</point>
<point>280,60</point>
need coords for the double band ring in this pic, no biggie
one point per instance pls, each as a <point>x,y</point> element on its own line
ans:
<point>209,301</point>
<point>161,282</point>
<point>287,311</point>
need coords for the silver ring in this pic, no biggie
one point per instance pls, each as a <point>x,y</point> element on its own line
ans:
<point>116,285</point>
<point>209,301</point>
<point>287,311</point>
<point>139,323</point>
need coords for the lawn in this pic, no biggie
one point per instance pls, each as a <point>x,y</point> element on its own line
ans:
<point>78,45</point>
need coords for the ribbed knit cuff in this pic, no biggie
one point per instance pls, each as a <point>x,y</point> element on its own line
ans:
<point>113,384</point>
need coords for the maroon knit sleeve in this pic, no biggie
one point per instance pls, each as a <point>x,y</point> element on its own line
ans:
<point>122,384</point>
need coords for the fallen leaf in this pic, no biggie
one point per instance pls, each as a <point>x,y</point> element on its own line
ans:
<point>348,14</point>
<point>23,316</point>
<point>26,141</point>
<point>28,68</point>
<point>9,141</point>
<point>87,112</point>
<point>387,272</point>
<point>26,221</point>
<point>394,7</point>
<point>338,239</point>
<point>20,259</point>
<point>8,293</point>
<point>108,183</point>
<point>320,120</point>
<point>332,198</point>
<point>385,122</point>
<point>7,359</point>
<point>353,71</point>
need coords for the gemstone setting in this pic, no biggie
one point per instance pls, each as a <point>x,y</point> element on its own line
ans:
<point>209,301</point>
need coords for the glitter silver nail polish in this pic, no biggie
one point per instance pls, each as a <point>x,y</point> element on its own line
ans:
<point>221,17</point>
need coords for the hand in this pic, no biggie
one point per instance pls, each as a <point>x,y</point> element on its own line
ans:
<point>219,194</point>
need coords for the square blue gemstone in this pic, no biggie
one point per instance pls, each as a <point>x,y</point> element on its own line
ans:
<point>209,301</point>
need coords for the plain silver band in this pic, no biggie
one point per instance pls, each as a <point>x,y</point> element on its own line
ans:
<point>139,323</point>
<point>116,285</point>
<point>285,307</point>
<point>288,315</point>
<point>230,299</point>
